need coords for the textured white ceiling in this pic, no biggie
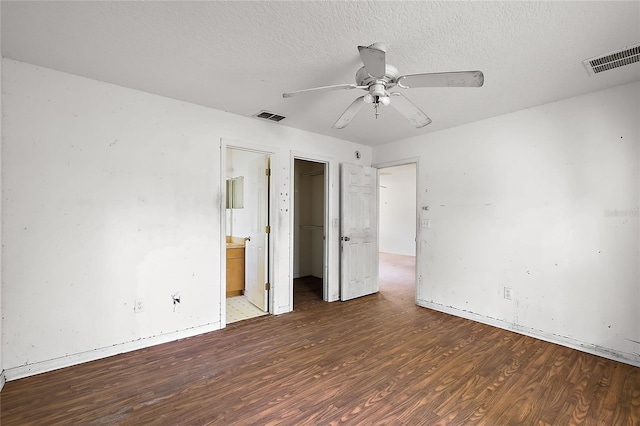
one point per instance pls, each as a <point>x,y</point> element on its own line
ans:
<point>241,56</point>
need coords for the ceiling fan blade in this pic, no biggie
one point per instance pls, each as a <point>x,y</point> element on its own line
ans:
<point>442,79</point>
<point>349,113</point>
<point>409,110</point>
<point>322,89</point>
<point>374,61</point>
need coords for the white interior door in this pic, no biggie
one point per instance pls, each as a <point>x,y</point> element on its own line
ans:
<point>256,250</point>
<point>359,231</point>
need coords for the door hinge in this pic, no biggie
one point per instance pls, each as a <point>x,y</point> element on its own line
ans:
<point>267,229</point>
<point>267,172</point>
<point>267,286</point>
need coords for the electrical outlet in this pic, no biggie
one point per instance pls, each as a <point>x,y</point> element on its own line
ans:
<point>138,305</point>
<point>507,293</point>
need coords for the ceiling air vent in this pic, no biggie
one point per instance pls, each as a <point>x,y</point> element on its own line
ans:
<point>269,116</point>
<point>612,60</point>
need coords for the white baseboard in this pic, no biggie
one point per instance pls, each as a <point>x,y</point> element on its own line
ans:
<point>3,380</point>
<point>615,355</point>
<point>282,310</point>
<point>79,358</point>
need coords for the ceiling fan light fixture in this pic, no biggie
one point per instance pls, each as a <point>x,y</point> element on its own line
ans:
<point>384,100</point>
<point>369,98</point>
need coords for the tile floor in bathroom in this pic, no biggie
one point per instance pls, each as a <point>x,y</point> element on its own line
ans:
<point>239,308</point>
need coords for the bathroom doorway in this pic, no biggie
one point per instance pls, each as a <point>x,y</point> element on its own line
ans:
<point>309,227</point>
<point>247,233</point>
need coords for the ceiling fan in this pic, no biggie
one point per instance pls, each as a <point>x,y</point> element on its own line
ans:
<point>377,78</point>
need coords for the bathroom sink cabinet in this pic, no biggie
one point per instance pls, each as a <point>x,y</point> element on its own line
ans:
<point>235,271</point>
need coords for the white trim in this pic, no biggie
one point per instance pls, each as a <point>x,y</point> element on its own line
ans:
<point>3,380</point>
<point>590,348</point>
<point>395,163</point>
<point>223,235</point>
<point>82,357</point>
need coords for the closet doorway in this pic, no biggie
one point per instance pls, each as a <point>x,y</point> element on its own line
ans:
<point>309,227</point>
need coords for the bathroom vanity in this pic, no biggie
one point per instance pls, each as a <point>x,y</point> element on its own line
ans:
<point>235,266</point>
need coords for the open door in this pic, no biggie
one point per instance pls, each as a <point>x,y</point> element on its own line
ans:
<point>257,247</point>
<point>359,231</point>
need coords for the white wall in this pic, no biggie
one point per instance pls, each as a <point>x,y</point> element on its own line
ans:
<point>544,201</point>
<point>111,194</point>
<point>398,209</point>
<point>316,185</point>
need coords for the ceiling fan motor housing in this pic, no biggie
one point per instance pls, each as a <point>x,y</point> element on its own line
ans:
<point>389,80</point>
<point>378,89</point>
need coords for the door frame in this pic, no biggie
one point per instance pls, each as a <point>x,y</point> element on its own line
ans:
<point>418,235</point>
<point>225,144</point>
<point>329,231</point>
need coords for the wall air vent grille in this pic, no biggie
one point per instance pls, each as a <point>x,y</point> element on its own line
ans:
<point>613,60</point>
<point>266,115</point>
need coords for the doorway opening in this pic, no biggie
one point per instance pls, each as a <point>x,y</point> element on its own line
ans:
<point>398,228</point>
<point>309,229</point>
<point>247,233</point>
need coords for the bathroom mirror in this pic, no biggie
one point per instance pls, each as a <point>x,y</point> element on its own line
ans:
<point>235,193</point>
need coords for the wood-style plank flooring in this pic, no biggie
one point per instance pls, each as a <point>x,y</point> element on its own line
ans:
<point>376,360</point>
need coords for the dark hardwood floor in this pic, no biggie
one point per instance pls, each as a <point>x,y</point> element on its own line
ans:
<point>374,360</point>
